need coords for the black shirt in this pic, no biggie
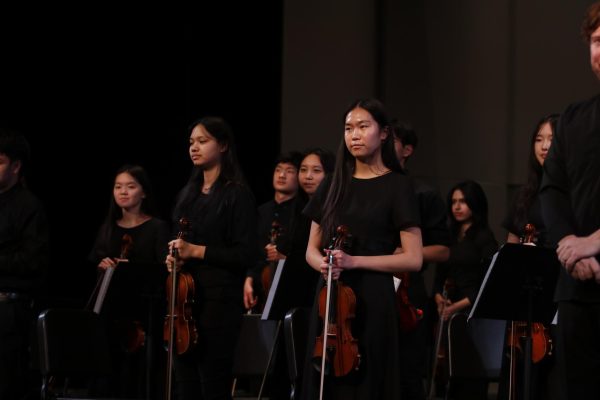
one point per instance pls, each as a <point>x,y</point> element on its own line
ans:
<point>23,240</point>
<point>285,214</point>
<point>432,211</point>
<point>467,264</point>
<point>570,191</point>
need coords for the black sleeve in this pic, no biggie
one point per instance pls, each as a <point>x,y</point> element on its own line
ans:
<point>433,219</point>
<point>441,273</point>
<point>240,248</point>
<point>25,254</point>
<point>264,219</point>
<point>161,245</point>
<point>554,190</point>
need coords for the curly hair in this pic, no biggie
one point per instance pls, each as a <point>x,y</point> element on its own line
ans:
<point>591,21</point>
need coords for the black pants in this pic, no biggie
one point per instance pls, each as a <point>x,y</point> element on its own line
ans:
<point>15,325</point>
<point>578,349</point>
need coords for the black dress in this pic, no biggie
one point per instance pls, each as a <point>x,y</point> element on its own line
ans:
<point>375,211</point>
<point>225,222</point>
<point>467,263</point>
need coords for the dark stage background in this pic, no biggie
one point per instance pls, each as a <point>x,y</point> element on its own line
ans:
<point>103,88</point>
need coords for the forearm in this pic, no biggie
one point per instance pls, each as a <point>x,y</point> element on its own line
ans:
<point>314,258</point>
<point>401,262</point>
<point>435,253</point>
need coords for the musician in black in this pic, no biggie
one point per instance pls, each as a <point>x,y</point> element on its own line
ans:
<point>570,195</point>
<point>370,196</point>
<point>471,248</point>
<point>275,218</point>
<point>23,262</point>
<point>217,250</point>
<point>436,238</point>
<point>134,320</point>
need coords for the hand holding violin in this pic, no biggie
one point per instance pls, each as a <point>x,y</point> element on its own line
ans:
<point>107,262</point>
<point>340,261</point>
<point>272,253</point>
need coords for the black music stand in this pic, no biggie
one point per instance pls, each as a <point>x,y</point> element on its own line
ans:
<point>519,286</point>
<point>275,305</point>
<point>293,285</point>
<point>141,285</point>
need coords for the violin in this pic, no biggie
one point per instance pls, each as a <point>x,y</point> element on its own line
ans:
<point>269,269</point>
<point>336,348</point>
<point>133,336</point>
<point>130,334</point>
<point>180,330</point>
<point>409,315</point>
<point>541,341</point>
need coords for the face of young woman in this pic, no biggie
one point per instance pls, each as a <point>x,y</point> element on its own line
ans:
<point>128,192</point>
<point>362,134</point>
<point>285,178</point>
<point>205,151</point>
<point>311,174</point>
<point>542,143</point>
<point>460,210</point>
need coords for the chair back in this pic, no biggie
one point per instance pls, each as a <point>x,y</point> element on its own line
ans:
<point>295,328</point>
<point>72,344</point>
<point>476,347</point>
<point>255,349</point>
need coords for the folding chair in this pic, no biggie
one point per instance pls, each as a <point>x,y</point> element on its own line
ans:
<point>255,349</point>
<point>475,348</point>
<point>73,346</point>
<point>295,328</point>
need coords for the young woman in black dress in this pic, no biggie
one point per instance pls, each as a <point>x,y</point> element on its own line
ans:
<point>375,201</point>
<point>472,244</point>
<point>217,250</point>
<point>131,231</point>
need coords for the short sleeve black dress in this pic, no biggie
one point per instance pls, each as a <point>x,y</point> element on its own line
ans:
<point>375,211</point>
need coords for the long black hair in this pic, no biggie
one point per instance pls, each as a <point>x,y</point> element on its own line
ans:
<point>115,213</point>
<point>345,164</point>
<point>326,157</point>
<point>477,202</point>
<point>527,194</point>
<point>230,172</point>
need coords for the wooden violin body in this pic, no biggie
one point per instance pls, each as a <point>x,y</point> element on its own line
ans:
<point>541,341</point>
<point>341,349</point>
<point>186,333</point>
<point>336,348</point>
<point>269,270</point>
<point>408,314</point>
